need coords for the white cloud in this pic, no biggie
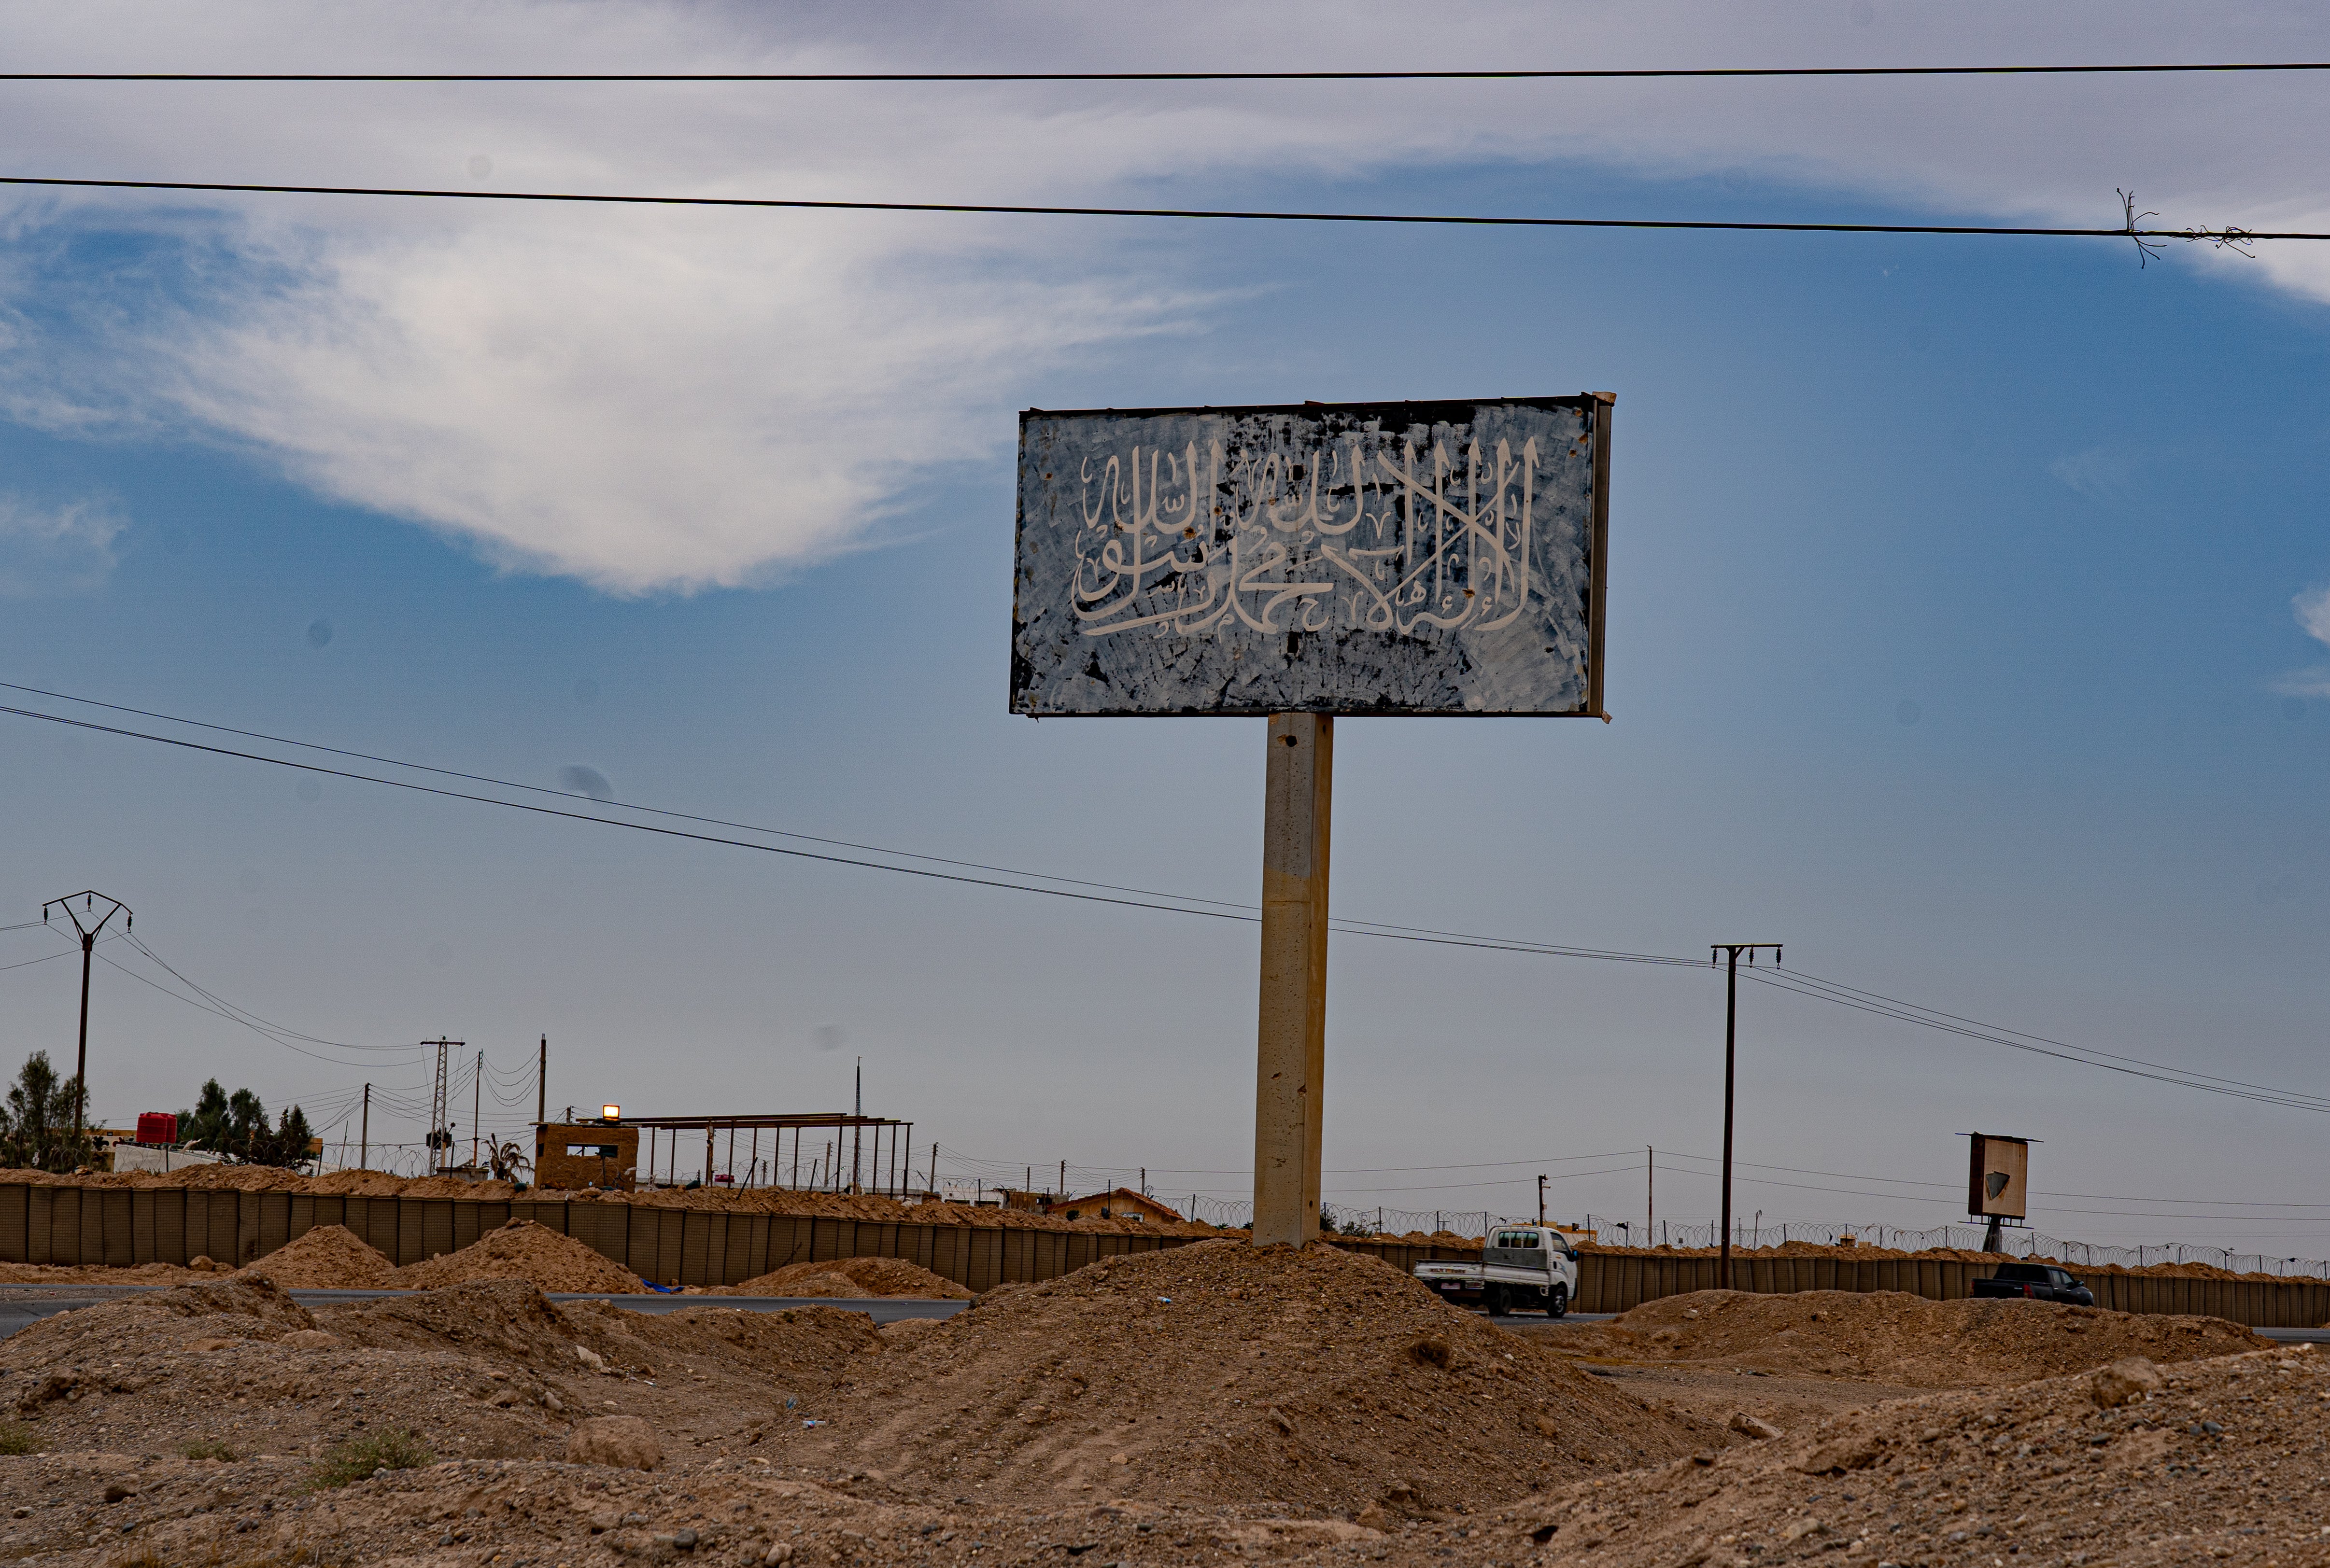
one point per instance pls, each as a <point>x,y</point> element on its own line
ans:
<point>2098,475</point>
<point>655,401</point>
<point>2312,608</point>
<point>55,550</point>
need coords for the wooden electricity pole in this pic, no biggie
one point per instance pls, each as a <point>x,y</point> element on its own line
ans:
<point>85,931</point>
<point>1291,1031</point>
<point>1730,1058</point>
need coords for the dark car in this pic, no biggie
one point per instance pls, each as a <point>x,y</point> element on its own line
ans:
<point>2036,1282</point>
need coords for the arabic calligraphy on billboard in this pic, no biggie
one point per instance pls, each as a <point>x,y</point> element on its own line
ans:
<point>1343,558</point>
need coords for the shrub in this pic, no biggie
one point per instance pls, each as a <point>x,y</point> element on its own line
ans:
<point>206,1449</point>
<point>356,1458</point>
<point>16,1438</point>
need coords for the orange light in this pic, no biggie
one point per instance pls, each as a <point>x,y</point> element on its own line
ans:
<point>611,1112</point>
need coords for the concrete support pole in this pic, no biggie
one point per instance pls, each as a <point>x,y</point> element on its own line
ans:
<point>1291,1034</point>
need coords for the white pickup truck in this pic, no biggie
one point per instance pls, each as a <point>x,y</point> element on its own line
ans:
<point>1522,1268</point>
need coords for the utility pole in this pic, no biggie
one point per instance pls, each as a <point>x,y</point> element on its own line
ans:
<point>857,1134</point>
<point>364,1140</point>
<point>87,932</point>
<point>1650,1197</point>
<point>541,1082</point>
<point>1541,1204</point>
<point>1731,1059</point>
<point>476,1101</point>
<point>441,1140</point>
<point>1290,1022</point>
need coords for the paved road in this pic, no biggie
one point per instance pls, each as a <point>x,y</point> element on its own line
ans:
<point>25,1304</point>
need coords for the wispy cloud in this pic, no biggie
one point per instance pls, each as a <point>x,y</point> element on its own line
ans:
<point>2098,475</point>
<point>46,549</point>
<point>655,402</point>
<point>2311,609</point>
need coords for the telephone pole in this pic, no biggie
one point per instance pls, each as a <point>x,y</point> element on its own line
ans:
<point>476,1104</point>
<point>82,927</point>
<point>364,1140</point>
<point>541,1082</point>
<point>441,1140</point>
<point>1650,1196</point>
<point>1541,1205</point>
<point>1730,1058</point>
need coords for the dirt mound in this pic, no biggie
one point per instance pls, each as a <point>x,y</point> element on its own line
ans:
<point>522,1250</point>
<point>2040,1473</point>
<point>1889,1337</point>
<point>326,1258</point>
<point>849,1277</point>
<point>2043,1473</point>
<point>1219,1373</point>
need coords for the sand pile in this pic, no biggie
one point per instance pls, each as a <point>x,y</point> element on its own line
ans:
<point>2044,1473</point>
<point>326,1258</point>
<point>2223,1463</point>
<point>522,1250</point>
<point>1889,1337</point>
<point>848,1276</point>
<point>1219,1373</point>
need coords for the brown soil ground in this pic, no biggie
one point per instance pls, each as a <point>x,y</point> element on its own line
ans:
<point>521,1249</point>
<point>1217,1372</point>
<point>847,1277</point>
<point>1887,1336</point>
<point>1315,1408</point>
<point>57,1274</point>
<point>326,1258</point>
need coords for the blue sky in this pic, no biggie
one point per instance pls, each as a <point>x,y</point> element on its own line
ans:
<point>1954,636</point>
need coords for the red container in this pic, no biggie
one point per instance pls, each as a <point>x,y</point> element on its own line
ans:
<point>156,1126</point>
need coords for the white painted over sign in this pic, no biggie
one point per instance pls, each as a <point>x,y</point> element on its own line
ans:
<point>1350,558</point>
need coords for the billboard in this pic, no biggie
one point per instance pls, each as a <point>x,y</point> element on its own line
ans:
<point>1997,1187</point>
<point>1406,558</point>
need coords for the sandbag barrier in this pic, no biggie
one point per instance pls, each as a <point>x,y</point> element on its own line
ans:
<point>123,1227</point>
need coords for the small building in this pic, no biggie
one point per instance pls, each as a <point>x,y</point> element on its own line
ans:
<point>1116,1203</point>
<point>571,1156</point>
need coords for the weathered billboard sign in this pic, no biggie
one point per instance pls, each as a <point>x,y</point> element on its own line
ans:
<point>1999,1183</point>
<point>1334,558</point>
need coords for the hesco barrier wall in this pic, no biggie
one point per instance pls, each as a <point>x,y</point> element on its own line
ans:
<point>123,1227</point>
<point>1613,1283</point>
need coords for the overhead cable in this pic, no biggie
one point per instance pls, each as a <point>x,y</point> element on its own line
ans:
<point>1647,73</point>
<point>1795,981</point>
<point>2220,237</point>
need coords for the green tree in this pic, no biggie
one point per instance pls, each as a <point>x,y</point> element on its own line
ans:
<point>236,1125</point>
<point>36,1122</point>
<point>206,1125</point>
<point>286,1146</point>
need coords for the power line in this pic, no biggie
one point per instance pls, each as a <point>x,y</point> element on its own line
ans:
<point>1793,980</point>
<point>910,77</point>
<point>1909,1013</point>
<point>2222,237</point>
<point>626,806</point>
<point>266,1025</point>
